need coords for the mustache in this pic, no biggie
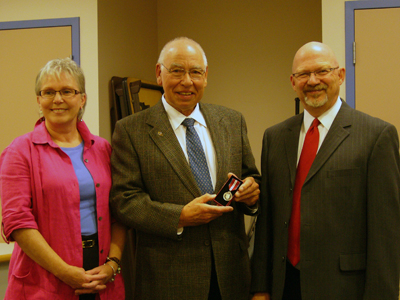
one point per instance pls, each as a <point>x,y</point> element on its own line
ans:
<point>318,87</point>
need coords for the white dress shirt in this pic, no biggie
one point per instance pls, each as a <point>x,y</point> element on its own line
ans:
<point>176,118</point>
<point>326,120</point>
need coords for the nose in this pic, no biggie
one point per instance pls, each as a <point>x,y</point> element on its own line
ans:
<point>58,98</point>
<point>186,79</point>
<point>312,79</point>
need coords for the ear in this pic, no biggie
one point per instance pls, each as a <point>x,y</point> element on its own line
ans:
<point>158,74</point>
<point>292,81</point>
<point>83,100</point>
<point>342,75</point>
<point>38,100</point>
<point>205,77</point>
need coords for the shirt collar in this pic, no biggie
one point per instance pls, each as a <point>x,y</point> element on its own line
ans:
<point>326,118</point>
<point>176,118</point>
<point>42,136</point>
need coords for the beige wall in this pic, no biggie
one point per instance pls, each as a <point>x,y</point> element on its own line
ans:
<point>250,46</point>
<point>127,47</point>
<point>19,10</point>
<point>242,43</point>
<point>333,31</point>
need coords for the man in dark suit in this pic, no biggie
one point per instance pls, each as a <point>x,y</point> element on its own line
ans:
<point>186,247</point>
<point>348,215</point>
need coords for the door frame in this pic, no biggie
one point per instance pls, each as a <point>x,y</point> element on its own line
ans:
<point>73,22</point>
<point>350,7</point>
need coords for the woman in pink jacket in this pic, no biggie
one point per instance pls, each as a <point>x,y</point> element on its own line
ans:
<point>54,189</point>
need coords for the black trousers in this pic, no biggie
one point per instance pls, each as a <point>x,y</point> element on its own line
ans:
<point>90,261</point>
<point>292,289</point>
<point>214,293</point>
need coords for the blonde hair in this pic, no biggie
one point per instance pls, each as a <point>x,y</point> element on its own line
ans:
<point>58,66</point>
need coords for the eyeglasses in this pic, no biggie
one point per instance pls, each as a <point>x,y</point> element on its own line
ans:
<point>64,93</point>
<point>179,73</point>
<point>318,74</point>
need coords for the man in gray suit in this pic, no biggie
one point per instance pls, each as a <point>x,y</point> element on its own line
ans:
<point>349,216</point>
<point>186,247</point>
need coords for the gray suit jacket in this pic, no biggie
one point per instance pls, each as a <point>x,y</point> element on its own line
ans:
<point>152,181</point>
<point>350,214</point>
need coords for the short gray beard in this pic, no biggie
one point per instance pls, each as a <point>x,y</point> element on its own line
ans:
<point>313,102</point>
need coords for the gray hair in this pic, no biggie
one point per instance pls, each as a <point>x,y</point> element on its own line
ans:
<point>58,66</point>
<point>166,47</point>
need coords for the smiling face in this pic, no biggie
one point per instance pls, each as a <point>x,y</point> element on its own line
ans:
<point>59,112</point>
<point>182,93</point>
<point>317,94</point>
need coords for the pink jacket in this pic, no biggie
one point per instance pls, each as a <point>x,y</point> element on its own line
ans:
<point>39,189</point>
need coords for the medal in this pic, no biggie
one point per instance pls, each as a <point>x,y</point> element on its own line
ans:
<point>227,196</point>
<point>227,193</point>
<point>233,186</point>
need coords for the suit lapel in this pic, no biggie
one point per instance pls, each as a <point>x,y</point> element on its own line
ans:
<point>292,144</point>
<point>164,137</point>
<point>336,134</point>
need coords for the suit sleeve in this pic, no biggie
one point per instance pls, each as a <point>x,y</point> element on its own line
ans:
<point>261,261</point>
<point>249,168</point>
<point>130,204</point>
<point>383,217</point>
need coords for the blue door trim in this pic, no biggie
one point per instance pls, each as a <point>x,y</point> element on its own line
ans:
<point>350,7</point>
<point>73,22</point>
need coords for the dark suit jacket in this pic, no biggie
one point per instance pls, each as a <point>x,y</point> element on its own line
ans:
<point>152,181</point>
<point>350,215</point>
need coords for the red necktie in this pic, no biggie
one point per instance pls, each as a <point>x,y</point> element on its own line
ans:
<point>307,156</point>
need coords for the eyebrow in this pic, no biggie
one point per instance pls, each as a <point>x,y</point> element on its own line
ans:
<point>327,66</point>
<point>62,88</point>
<point>176,65</point>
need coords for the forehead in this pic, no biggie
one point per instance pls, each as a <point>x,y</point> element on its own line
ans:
<point>312,61</point>
<point>184,54</point>
<point>63,79</point>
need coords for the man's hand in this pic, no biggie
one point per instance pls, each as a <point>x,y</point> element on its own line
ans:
<point>198,212</point>
<point>248,192</point>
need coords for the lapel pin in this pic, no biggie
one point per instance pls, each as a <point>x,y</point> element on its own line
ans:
<point>160,133</point>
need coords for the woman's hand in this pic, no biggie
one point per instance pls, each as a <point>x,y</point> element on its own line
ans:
<point>100,275</point>
<point>36,247</point>
<point>118,234</point>
<point>77,278</point>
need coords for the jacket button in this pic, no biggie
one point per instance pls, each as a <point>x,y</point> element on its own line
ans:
<point>97,184</point>
<point>100,218</point>
<point>207,243</point>
<point>286,224</point>
<point>86,160</point>
<point>283,259</point>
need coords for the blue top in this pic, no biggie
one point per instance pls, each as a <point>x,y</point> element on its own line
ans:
<point>86,190</point>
